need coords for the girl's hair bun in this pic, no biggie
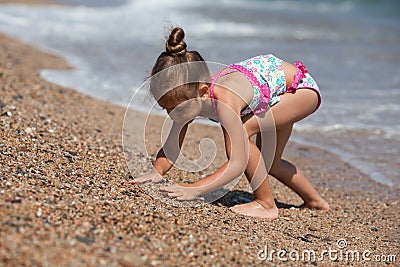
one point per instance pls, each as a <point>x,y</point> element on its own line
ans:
<point>175,45</point>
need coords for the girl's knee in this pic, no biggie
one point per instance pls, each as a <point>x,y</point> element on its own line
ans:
<point>276,168</point>
<point>282,167</point>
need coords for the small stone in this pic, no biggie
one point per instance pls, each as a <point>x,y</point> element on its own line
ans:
<point>23,149</point>
<point>375,229</point>
<point>312,228</point>
<point>7,113</point>
<point>88,240</point>
<point>132,260</point>
<point>39,212</point>
<point>29,130</point>
<point>73,153</point>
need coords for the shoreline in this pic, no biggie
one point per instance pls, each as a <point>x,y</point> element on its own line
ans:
<point>64,198</point>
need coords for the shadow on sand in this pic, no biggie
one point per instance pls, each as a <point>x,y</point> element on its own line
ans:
<point>238,197</point>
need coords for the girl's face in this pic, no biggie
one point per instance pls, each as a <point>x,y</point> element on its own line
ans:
<point>183,111</point>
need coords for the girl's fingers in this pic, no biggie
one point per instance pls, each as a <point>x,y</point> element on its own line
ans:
<point>171,188</point>
<point>140,180</point>
<point>175,194</point>
<point>157,180</point>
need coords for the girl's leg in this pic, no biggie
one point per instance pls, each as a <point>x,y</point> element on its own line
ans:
<point>264,206</point>
<point>292,108</point>
<point>290,175</point>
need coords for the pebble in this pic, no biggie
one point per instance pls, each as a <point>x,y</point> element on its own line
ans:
<point>29,130</point>
<point>132,260</point>
<point>16,201</point>
<point>39,212</point>
<point>7,113</point>
<point>375,229</point>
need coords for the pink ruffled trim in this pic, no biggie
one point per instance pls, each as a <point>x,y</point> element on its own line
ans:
<point>264,88</point>
<point>300,74</point>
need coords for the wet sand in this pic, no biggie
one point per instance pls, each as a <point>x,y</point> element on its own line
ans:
<point>65,201</point>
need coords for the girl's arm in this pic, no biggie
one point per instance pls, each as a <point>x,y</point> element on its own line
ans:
<point>238,152</point>
<point>167,155</point>
<point>237,162</point>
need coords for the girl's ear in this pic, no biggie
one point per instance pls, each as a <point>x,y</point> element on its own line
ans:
<point>203,89</point>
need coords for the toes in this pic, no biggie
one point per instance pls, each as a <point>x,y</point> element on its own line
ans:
<point>323,207</point>
<point>175,194</point>
<point>237,209</point>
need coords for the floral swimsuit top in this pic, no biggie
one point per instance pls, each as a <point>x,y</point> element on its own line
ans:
<point>268,80</point>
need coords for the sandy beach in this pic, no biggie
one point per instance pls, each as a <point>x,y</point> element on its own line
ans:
<point>65,201</point>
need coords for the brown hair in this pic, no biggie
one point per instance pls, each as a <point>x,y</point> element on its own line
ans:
<point>176,77</point>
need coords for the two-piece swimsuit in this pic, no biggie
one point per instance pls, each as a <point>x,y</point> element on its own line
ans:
<point>268,80</point>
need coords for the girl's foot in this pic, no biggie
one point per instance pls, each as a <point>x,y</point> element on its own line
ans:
<point>321,205</point>
<point>255,209</point>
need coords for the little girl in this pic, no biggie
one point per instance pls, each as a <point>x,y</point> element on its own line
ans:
<point>245,98</point>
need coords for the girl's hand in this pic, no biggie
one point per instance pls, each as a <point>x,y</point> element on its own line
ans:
<point>153,177</point>
<point>182,191</point>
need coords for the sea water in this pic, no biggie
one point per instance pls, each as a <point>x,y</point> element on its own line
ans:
<point>351,47</point>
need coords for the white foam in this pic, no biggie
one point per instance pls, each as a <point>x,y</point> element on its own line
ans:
<point>285,5</point>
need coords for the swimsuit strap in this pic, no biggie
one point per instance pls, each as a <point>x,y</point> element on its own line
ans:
<point>264,88</point>
<point>220,74</point>
<point>300,74</point>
